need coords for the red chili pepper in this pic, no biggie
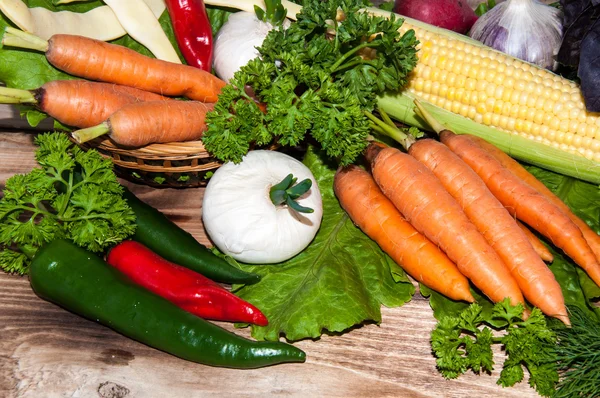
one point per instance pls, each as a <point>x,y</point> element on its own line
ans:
<point>192,31</point>
<point>185,288</point>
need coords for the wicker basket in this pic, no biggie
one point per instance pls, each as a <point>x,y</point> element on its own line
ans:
<point>172,165</point>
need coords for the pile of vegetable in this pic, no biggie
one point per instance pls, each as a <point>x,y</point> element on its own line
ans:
<point>370,202</point>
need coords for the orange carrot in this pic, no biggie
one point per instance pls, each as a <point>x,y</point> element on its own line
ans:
<point>97,60</point>
<point>536,243</point>
<point>150,122</point>
<point>534,278</point>
<point>425,203</point>
<point>78,103</point>
<point>377,217</point>
<point>525,203</point>
<point>592,238</point>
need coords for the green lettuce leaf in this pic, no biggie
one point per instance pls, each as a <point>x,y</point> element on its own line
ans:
<point>218,16</point>
<point>339,281</point>
<point>578,289</point>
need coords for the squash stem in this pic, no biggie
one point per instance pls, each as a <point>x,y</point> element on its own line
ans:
<point>287,191</point>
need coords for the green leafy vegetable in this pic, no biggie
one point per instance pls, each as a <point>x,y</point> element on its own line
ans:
<point>578,356</point>
<point>217,17</point>
<point>317,76</point>
<point>464,342</point>
<point>484,7</point>
<point>339,281</point>
<point>74,195</point>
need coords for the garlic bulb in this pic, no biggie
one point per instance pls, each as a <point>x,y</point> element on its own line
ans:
<point>241,218</point>
<point>237,40</point>
<point>525,29</point>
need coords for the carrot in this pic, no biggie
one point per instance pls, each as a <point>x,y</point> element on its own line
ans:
<point>150,122</point>
<point>377,217</point>
<point>592,238</point>
<point>534,278</point>
<point>78,103</point>
<point>425,203</point>
<point>525,203</point>
<point>97,60</point>
<point>536,243</point>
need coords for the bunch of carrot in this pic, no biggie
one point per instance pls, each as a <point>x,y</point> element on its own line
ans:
<point>129,97</point>
<point>448,212</point>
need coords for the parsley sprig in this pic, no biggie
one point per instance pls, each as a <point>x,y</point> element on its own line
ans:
<point>319,76</point>
<point>74,195</point>
<point>465,342</point>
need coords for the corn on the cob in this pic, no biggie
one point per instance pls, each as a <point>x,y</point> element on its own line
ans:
<point>501,94</point>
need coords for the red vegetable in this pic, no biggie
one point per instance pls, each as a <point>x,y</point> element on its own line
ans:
<point>455,15</point>
<point>185,288</point>
<point>192,31</point>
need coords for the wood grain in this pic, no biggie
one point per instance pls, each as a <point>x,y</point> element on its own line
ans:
<point>10,118</point>
<point>46,351</point>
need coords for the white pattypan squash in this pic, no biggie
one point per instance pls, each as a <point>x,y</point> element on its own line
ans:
<point>252,211</point>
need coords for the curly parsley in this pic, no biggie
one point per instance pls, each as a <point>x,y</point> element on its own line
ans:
<point>74,195</point>
<point>319,76</point>
<point>465,342</point>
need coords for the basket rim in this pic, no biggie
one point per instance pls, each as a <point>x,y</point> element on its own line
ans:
<point>162,150</point>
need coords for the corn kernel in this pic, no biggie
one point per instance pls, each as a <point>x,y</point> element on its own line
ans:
<point>435,88</point>
<point>495,120</point>
<point>554,123</point>
<point>455,106</point>
<point>573,126</point>
<point>523,110</point>
<point>464,109</point>
<point>538,118</point>
<point>514,110</point>
<point>443,91</point>
<point>472,114</point>
<point>487,118</point>
<point>481,107</point>
<point>427,87</point>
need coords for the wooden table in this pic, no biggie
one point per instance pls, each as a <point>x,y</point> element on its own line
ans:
<point>46,351</point>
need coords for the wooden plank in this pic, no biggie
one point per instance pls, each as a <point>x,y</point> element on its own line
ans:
<point>46,351</point>
<point>10,119</point>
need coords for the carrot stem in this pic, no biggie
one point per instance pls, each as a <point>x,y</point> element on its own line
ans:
<point>431,121</point>
<point>85,135</point>
<point>393,132</point>
<point>17,38</point>
<point>386,118</point>
<point>16,96</point>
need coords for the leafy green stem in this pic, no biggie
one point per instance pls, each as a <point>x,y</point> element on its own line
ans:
<point>68,193</point>
<point>32,209</point>
<point>86,217</point>
<point>393,132</point>
<point>350,53</point>
<point>354,63</point>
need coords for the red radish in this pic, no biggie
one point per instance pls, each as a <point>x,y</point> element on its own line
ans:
<point>455,15</point>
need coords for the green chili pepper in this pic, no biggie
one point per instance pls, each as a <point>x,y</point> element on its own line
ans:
<point>84,284</point>
<point>158,233</point>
